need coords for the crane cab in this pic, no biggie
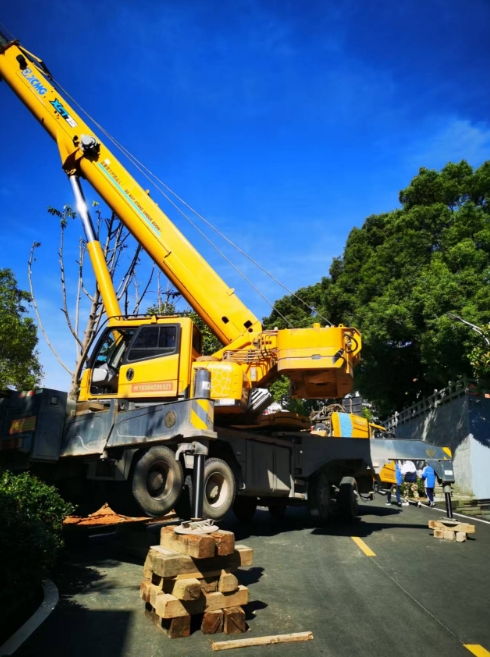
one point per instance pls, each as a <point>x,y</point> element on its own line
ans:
<point>142,359</point>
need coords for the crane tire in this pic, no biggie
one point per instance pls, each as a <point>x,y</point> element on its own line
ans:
<point>156,480</point>
<point>219,491</point>
<point>244,508</point>
<point>319,498</point>
<point>219,488</point>
<point>348,499</point>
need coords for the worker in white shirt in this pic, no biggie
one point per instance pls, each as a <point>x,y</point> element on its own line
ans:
<point>409,472</point>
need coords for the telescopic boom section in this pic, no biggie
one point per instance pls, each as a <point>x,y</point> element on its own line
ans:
<point>83,154</point>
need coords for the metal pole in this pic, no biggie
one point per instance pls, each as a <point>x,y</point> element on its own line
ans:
<point>202,389</point>
<point>449,504</point>
<point>197,507</point>
<point>82,209</point>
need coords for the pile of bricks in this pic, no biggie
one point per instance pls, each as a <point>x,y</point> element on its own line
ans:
<point>451,530</point>
<point>193,575</point>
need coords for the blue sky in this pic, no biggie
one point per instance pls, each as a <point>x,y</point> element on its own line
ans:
<point>285,123</point>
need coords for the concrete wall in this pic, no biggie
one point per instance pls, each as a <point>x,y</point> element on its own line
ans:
<point>463,424</point>
<point>479,416</point>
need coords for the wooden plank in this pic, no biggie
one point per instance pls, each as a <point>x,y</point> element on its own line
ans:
<point>199,547</point>
<point>145,588</point>
<point>227,583</point>
<point>220,580</point>
<point>449,535</point>
<point>168,606</point>
<point>212,622</point>
<point>262,641</point>
<point>458,527</point>
<point>225,542</point>
<point>234,620</point>
<point>460,537</point>
<point>438,533</point>
<point>168,563</point>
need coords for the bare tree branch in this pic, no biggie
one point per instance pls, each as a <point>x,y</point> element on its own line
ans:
<point>81,252</point>
<point>34,246</point>
<point>137,307</point>
<point>63,283</point>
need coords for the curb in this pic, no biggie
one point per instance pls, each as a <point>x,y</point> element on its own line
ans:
<point>51,597</point>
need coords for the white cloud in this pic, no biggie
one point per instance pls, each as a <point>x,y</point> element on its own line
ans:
<point>458,139</point>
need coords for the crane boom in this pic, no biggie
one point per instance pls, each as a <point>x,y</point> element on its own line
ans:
<point>319,361</point>
<point>83,154</point>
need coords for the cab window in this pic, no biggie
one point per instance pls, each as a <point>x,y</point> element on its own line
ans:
<point>153,341</point>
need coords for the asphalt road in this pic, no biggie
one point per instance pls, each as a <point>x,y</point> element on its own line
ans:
<point>417,595</point>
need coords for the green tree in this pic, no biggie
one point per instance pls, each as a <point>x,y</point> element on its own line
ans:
<point>19,360</point>
<point>401,273</point>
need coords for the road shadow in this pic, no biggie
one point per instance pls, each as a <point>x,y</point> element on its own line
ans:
<point>371,520</point>
<point>74,628</point>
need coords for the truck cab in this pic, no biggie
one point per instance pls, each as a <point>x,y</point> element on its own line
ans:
<point>142,359</point>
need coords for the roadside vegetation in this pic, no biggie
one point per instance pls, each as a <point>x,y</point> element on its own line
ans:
<point>31,518</point>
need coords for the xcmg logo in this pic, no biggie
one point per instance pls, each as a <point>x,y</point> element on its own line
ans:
<point>63,113</point>
<point>36,83</point>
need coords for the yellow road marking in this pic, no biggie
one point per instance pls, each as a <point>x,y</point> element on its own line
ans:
<point>477,650</point>
<point>369,553</point>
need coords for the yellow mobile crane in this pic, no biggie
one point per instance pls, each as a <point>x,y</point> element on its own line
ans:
<point>145,413</point>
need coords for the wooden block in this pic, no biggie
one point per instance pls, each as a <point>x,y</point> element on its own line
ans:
<point>234,620</point>
<point>225,542</point>
<point>168,563</point>
<point>145,590</point>
<point>168,606</point>
<point>449,535</point>
<point>175,628</point>
<point>209,575</point>
<point>224,583</point>
<point>438,533</point>
<point>227,583</point>
<point>458,527</point>
<point>460,537</point>
<point>186,589</point>
<point>199,547</point>
<point>147,570</point>
<point>210,584</point>
<point>223,600</point>
<point>155,591</point>
<point>212,622</point>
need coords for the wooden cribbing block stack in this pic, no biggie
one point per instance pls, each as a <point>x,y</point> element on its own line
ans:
<point>451,530</point>
<point>189,574</point>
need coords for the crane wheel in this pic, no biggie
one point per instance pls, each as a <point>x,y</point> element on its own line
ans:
<point>219,491</point>
<point>219,488</point>
<point>319,498</point>
<point>348,499</point>
<point>156,481</point>
<point>244,508</point>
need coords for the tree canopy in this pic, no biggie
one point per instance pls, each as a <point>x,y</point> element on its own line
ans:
<point>19,363</point>
<point>400,274</point>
